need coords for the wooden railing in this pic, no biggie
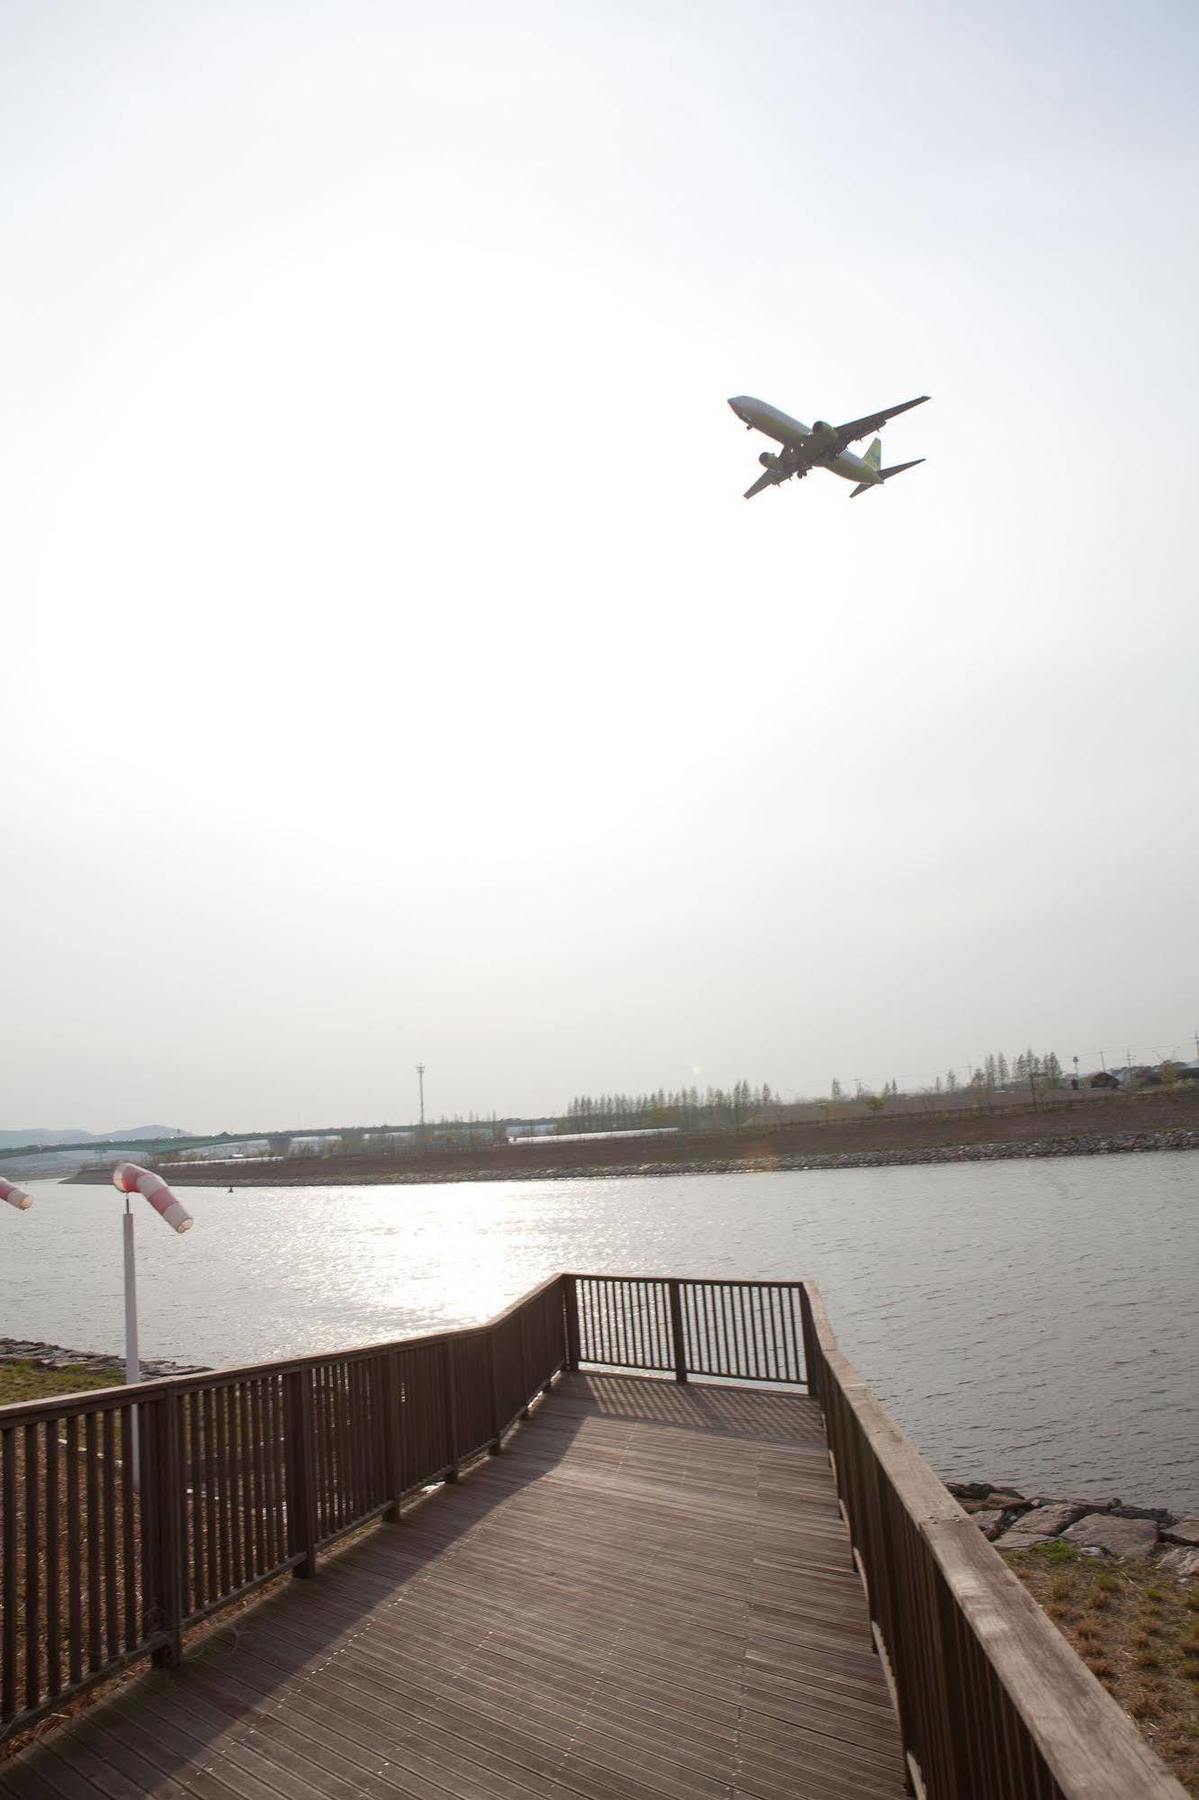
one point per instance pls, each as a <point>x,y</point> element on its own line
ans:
<point>993,1704</point>
<point>735,1330</point>
<point>245,1474</point>
<point>241,1475</point>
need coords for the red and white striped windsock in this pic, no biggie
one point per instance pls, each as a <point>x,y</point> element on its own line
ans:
<point>14,1195</point>
<point>131,1179</point>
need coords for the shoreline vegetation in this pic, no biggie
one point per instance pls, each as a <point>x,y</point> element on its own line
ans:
<point>1121,1583</point>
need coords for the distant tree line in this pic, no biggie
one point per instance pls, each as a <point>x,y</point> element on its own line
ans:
<point>688,1109</point>
<point>1029,1069</point>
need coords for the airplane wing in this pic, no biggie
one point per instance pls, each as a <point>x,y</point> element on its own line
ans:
<point>860,428</point>
<point>770,478</point>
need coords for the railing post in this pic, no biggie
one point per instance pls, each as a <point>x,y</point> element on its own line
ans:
<point>525,1384</point>
<point>301,1471</point>
<point>161,1536</point>
<point>676,1330</point>
<point>451,1409</point>
<point>570,1307</point>
<point>496,1444</point>
<point>393,1434</point>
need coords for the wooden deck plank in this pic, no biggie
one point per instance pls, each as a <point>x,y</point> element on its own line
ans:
<point>649,1596</point>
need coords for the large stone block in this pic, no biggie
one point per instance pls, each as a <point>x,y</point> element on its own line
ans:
<point>1119,1537</point>
<point>1042,1523</point>
<point>1180,1562</point>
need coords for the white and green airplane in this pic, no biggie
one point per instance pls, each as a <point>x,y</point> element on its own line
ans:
<point>820,446</point>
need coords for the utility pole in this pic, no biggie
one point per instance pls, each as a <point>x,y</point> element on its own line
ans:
<point>420,1076</point>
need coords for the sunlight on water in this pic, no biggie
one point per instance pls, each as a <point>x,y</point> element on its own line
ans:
<point>1027,1321</point>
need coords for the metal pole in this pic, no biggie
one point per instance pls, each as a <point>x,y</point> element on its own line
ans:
<point>133,1372</point>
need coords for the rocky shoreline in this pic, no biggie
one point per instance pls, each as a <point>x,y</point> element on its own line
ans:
<point>93,1362</point>
<point>1012,1520</point>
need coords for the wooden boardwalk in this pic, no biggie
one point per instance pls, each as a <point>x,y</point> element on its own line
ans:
<point>648,1596</point>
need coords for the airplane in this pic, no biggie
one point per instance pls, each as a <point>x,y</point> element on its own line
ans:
<point>823,446</point>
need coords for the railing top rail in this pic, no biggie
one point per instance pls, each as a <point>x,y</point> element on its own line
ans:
<point>57,1406</point>
<point>1088,1742</point>
<point>686,1280</point>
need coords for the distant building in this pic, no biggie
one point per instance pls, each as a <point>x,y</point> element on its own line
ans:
<point>1103,1078</point>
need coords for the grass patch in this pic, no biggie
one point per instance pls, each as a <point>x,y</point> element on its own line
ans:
<point>1136,1632</point>
<point>26,1381</point>
<point>1053,1551</point>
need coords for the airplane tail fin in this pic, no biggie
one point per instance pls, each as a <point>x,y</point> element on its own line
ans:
<point>874,456</point>
<point>864,487</point>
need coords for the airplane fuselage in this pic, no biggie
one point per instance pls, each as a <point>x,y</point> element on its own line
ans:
<point>808,446</point>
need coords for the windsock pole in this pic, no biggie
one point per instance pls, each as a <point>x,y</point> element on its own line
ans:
<point>133,1367</point>
<point>130,1178</point>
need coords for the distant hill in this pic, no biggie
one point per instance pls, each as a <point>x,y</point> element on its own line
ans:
<point>38,1134</point>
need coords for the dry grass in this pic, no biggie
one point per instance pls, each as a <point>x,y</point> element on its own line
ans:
<point>1138,1631</point>
<point>26,1381</point>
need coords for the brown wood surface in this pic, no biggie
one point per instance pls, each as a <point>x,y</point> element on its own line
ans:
<point>649,1596</point>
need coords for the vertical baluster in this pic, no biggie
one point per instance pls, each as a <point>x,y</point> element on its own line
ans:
<point>300,1476</point>
<point>347,1411</point>
<point>743,1361</point>
<point>604,1346</point>
<point>526,1371</point>
<point>31,1609</point>
<point>799,1362</point>
<point>258,1431</point>
<point>112,1621</point>
<point>91,1475</point>
<point>74,1570</point>
<point>128,1533</point>
<point>676,1330</point>
<point>249,1496</point>
<point>768,1333</point>
<point>320,1447</point>
<point>194,1600</point>
<point>450,1375</point>
<point>53,1456</point>
<point>270,1395</point>
<point>8,1573</point>
<point>224,1496</point>
<point>699,1327</point>
<point>212,1540</point>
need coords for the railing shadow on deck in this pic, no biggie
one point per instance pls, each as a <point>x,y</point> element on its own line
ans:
<point>234,1673</point>
<point>755,1414</point>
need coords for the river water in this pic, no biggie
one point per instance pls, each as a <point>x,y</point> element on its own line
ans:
<point>1032,1322</point>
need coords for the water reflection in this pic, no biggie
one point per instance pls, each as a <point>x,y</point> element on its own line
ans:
<point>1032,1322</point>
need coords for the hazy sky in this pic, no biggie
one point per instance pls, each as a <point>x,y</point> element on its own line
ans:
<point>392,669</point>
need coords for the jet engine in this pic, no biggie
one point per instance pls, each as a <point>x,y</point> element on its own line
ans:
<point>824,434</point>
<point>769,460</point>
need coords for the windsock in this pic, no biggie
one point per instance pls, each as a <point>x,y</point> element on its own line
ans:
<point>15,1196</point>
<point>131,1179</point>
